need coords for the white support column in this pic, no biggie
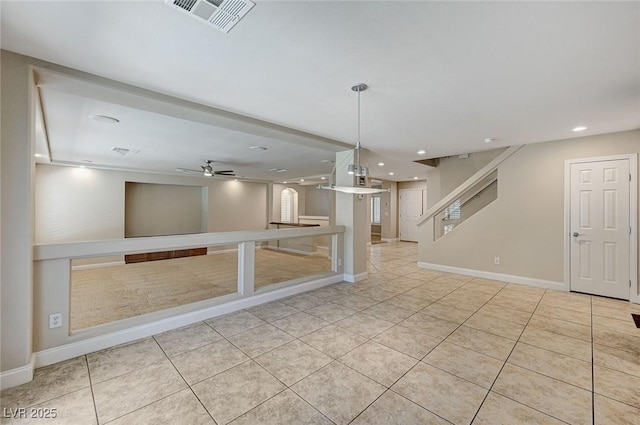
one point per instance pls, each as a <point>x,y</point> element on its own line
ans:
<point>246,267</point>
<point>351,212</point>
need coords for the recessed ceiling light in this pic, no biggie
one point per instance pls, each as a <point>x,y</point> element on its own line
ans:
<point>391,173</point>
<point>489,140</point>
<point>415,178</point>
<point>38,155</point>
<point>83,166</point>
<point>284,182</point>
<point>323,178</point>
<point>579,128</point>
<point>258,148</point>
<point>301,180</point>
<point>421,152</point>
<point>105,119</point>
<point>380,164</point>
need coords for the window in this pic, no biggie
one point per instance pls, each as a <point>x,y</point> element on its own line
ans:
<point>452,212</point>
<point>375,209</point>
<point>288,206</point>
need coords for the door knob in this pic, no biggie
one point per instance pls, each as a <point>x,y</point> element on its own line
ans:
<point>576,234</point>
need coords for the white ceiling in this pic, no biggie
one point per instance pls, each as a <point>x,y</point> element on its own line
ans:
<point>443,76</point>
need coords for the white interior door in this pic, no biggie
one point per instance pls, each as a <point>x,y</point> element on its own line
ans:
<point>600,228</point>
<point>410,212</point>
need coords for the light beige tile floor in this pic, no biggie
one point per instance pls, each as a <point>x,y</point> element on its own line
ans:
<point>406,346</point>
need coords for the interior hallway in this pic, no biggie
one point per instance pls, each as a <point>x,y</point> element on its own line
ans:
<point>406,346</point>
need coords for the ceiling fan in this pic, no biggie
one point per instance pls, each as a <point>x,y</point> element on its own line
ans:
<point>208,171</point>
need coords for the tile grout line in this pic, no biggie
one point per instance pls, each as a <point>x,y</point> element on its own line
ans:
<point>369,340</point>
<point>419,360</point>
<point>185,381</point>
<point>545,413</point>
<point>93,396</point>
<point>423,357</point>
<point>250,359</point>
<point>505,363</point>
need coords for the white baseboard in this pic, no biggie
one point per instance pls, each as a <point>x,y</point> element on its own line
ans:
<point>18,376</point>
<point>98,265</point>
<point>355,278</point>
<point>389,239</point>
<point>90,345</point>
<point>541,283</point>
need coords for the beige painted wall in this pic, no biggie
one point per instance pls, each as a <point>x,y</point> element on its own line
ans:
<point>389,211</point>
<point>80,204</point>
<point>453,171</point>
<point>163,209</point>
<point>525,225</point>
<point>317,201</point>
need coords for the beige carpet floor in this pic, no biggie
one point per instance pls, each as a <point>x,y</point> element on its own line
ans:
<point>108,294</point>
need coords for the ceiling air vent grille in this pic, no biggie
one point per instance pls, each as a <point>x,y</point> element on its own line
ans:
<point>221,14</point>
<point>185,4</point>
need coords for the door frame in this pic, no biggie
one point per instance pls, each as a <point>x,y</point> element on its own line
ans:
<point>634,296</point>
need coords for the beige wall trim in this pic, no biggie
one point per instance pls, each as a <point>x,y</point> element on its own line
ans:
<point>541,283</point>
<point>355,278</point>
<point>390,239</point>
<point>79,348</point>
<point>18,376</point>
<point>634,290</point>
<point>481,174</point>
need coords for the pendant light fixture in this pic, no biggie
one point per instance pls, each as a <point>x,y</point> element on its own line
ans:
<point>356,169</point>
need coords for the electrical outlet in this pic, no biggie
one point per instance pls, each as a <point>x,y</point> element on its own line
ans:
<point>55,320</point>
<point>496,261</point>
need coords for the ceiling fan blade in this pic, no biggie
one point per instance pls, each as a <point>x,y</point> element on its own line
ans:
<point>188,169</point>
<point>223,172</point>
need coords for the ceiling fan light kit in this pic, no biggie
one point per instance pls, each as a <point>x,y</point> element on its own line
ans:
<point>208,171</point>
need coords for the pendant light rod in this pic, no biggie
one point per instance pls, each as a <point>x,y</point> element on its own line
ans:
<point>357,168</point>
<point>359,88</point>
